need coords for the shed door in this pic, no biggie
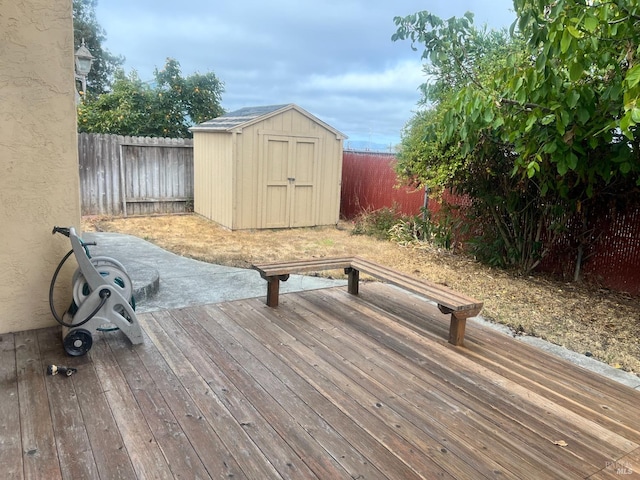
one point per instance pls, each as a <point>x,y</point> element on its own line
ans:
<point>290,173</point>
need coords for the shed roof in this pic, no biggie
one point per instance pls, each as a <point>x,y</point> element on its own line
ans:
<point>238,119</point>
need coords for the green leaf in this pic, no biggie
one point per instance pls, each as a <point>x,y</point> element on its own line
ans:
<point>575,71</point>
<point>530,123</point>
<point>518,84</point>
<point>572,161</point>
<point>574,31</point>
<point>633,76</point>
<point>625,124</point>
<point>590,24</point>
<point>488,115</point>
<point>562,120</point>
<point>583,115</point>
<point>544,189</point>
<point>562,167</point>
<point>572,98</point>
<point>565,42</point>
<point>498,122</point>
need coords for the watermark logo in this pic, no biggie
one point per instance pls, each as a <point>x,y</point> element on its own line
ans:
<point>619,468</point>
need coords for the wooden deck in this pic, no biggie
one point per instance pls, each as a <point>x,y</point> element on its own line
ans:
<point>326,386</point>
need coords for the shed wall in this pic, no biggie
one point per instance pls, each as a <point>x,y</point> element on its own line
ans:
<point>331,181</point>
<point>213,176</point>
<point>247,190</point>
<point>251,176</point>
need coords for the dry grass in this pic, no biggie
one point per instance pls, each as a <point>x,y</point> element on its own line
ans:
<point>581,318</point>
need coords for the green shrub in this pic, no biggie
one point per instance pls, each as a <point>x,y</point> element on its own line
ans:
<point>388,224</point>
<point>421,228</point>
<point>377,223</point>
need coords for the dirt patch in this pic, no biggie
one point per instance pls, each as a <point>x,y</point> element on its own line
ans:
<point>584,319</point>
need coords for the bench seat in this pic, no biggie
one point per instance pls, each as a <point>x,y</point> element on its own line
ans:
<point>459,306</point>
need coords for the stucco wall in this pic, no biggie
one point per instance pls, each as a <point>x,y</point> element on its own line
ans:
<point>39,185</point>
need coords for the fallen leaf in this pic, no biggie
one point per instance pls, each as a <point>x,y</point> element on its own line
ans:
<point>561,443</point>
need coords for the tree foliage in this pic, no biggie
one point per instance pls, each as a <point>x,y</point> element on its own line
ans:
<point>536,125</point>
<point>167,109</point>
<point>87,28</point>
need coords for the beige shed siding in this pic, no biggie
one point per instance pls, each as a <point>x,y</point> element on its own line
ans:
<point>39,185</point>
<point>246,198</point>
<point>332,180</point>
<point>213,188</point>
<point>257,187</point>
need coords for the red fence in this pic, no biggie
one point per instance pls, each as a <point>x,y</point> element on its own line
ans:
<point>613,260</point>
<point>369,183</point>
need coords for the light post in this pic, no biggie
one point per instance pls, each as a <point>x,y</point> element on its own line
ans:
<point>83,59</point>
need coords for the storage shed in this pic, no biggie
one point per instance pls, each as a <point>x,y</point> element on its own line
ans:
<point>275,166</point>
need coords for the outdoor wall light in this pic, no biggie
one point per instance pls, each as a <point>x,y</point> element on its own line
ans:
<point>84,59</point>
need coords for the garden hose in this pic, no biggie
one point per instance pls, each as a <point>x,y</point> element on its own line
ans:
<point>104,295</point>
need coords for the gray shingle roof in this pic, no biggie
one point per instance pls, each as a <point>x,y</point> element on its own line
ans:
<point>249,115</point>
<point>238,117</point>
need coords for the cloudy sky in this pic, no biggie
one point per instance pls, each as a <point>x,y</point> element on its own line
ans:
<point>334,58</point>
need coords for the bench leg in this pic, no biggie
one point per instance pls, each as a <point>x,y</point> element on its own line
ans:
<point>458,323</point>
<point>354,280</point>
<point>273,289</point>
<point>456,329</point>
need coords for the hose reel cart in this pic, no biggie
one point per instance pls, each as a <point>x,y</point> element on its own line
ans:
<point>102,298</point>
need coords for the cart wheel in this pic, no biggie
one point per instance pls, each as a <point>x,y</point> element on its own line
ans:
<point>77,342</point>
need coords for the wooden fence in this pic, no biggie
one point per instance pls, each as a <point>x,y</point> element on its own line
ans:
<point>135,175</point>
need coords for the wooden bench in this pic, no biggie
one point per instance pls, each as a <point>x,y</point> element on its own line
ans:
<point>459,306</point>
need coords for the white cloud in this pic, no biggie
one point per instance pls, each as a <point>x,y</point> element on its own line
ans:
<point>404,75</point>
<point>334,58</point>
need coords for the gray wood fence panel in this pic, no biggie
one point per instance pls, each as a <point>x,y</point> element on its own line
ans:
<point>135,175</point>
<point>98,156</point>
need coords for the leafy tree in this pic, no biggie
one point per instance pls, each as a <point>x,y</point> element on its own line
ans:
<point>549,115</point>
<point>167,109</point>
<point>189,100</point>
<point>87,28</point>
<point>124,110</point>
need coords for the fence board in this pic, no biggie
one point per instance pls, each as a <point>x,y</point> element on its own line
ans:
<point>135,175</point>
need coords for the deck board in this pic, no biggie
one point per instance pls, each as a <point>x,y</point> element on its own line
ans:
<point>39,453</point>
<point>328,385</point>
<point>11,451</point>
<point>439,362</point>
<point>587,393</point>
<point>72,440</point>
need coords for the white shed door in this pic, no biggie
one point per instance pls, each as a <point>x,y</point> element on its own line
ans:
<point>290,165</point>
